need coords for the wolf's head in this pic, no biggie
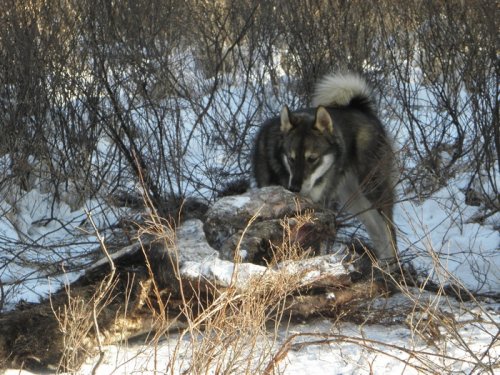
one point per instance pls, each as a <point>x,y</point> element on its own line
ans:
<point>309,149</point>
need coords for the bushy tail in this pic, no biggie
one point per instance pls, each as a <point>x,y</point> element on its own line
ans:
<point>342,90</point>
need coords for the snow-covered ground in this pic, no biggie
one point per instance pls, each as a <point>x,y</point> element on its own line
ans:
<point>469,251</point>
<point>322,346</point>
<point>438,229</point>
<point>438,234</point>
<point>351,349</point>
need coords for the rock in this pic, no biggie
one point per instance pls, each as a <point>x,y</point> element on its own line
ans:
<point>233,213</point>
<point>253,224</point>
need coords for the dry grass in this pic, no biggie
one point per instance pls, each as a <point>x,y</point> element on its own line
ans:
<point>78,319</point>
<point>239,330</point>
<point>441,333</point>
<point>236,330</point>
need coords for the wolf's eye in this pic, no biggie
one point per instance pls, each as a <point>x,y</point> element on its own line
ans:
<point>291,159</point>
<point>312,159</point>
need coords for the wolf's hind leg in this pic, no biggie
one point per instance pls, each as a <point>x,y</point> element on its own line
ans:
<point>378,227</point>
<point>379,230</point>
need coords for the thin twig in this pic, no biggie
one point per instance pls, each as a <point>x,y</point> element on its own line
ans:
<point>104,289</point>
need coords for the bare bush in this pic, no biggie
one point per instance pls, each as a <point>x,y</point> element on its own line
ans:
<point>174,101</point>
<point>445,92</point>
<point>104,101</point>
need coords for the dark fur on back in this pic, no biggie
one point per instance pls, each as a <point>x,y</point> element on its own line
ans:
<point>362,139</point>
<point>337,150</point>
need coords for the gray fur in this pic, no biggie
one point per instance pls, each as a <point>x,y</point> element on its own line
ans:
<point>338,151</point>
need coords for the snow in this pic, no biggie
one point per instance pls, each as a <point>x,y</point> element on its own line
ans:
<point>226,273</point>
<point>56,242</point>
<point>320,346</point>
<point>437,228</point>
<point>437,233</point>
<point>222,270</point>
<point>323,346</point>
<point>433,227</point>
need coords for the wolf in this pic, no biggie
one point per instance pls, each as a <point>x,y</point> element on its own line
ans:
<point>335,151</point>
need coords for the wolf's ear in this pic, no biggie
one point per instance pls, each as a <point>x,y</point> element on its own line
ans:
<point>286,124</point>
<point>323,121</point>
